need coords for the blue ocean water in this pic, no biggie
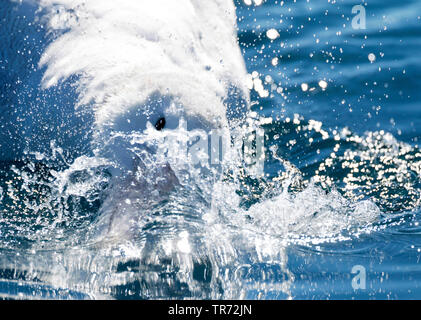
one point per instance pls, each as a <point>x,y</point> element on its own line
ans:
<point>317,42</point>
<point>342,127</point>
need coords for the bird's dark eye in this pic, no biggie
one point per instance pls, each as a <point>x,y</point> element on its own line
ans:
<point>160,124</point>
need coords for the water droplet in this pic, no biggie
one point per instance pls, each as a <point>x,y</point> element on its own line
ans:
<point>323,84</point>
<point>304,87</point>
<point>272,34</point>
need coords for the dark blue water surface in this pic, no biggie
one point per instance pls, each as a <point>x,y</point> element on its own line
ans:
<point>345,105</point>
<point>317,42</point>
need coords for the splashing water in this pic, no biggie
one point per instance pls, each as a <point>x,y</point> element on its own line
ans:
<point>142,213</point>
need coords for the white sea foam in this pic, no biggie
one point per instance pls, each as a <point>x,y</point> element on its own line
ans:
<point>123,51</point>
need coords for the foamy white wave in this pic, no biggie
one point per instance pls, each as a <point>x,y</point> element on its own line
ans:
<point>124,51</point>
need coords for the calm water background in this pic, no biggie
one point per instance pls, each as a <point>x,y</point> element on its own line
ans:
<point>360,102</point>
